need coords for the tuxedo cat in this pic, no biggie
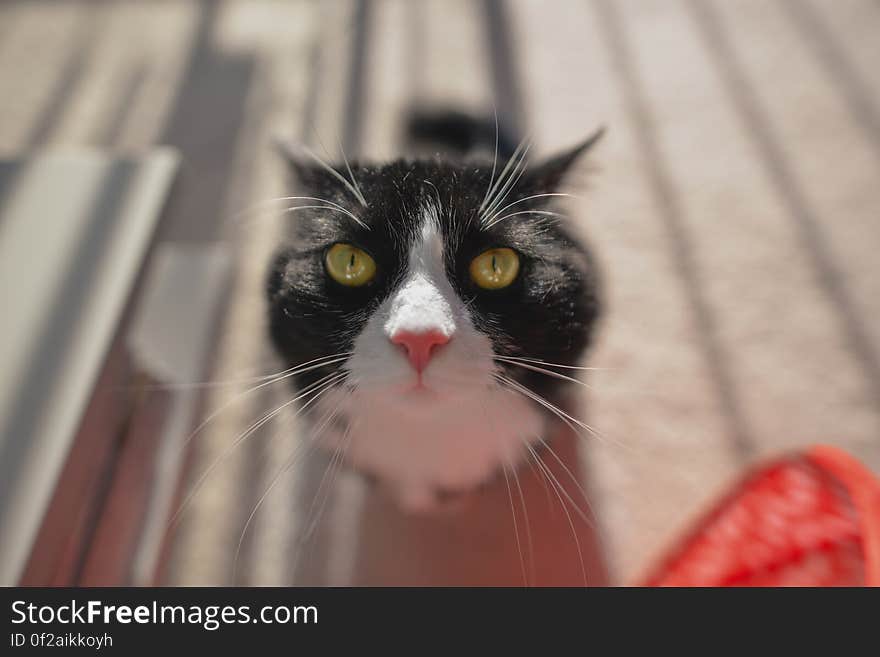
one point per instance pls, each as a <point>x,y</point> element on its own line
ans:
<point>435,311</point>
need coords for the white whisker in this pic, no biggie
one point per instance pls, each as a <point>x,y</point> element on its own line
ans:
<point>268,202</point>
<point>317,363</point>
<point>336,460</point>
<point>508,185</point>
<point>589,521</point>
<point>549,364</point>
<point>314,435</point>
<point>318,388</point>
<point>522,561</point>
<point>492,192</point>
<point>276,376</point>
<point>535,368</point>
<point>494,160</point>
<point>350,173</point>
<point>530,198</point>
<point>545,213</point>
<point>557,487</point>
<point>325,207</point>
<point>565,417</point>
<point>522,500</point>
<point>355,191</point>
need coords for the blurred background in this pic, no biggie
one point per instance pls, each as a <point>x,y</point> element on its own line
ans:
<point>734,206</point>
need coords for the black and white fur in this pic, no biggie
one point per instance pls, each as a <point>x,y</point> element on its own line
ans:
<point>423,222</point>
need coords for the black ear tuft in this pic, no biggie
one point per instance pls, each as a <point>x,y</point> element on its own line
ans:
<point>548,175</point>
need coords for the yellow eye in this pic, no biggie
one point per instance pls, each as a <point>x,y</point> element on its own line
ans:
<point>349,265</point>
<point>495,268</point>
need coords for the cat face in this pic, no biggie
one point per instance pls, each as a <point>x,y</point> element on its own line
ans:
<point>427,282</point>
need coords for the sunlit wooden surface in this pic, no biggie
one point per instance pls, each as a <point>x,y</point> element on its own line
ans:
<point>734,205</point>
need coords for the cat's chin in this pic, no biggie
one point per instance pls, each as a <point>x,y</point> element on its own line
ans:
<point>434,444</point>
<point>425,500</point>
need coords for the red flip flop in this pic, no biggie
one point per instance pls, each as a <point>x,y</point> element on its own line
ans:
<point>809,519</point>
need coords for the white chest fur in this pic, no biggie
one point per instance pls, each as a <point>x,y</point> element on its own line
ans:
<point>452,443</point>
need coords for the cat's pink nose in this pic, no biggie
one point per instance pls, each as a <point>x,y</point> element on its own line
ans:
<point>419,346</point>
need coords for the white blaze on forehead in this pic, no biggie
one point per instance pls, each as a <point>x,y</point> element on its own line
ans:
<point>425,300</point>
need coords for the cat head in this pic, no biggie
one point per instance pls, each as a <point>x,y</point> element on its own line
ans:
<point>429,279</point>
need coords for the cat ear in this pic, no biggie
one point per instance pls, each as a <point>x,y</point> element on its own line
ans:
<point>315,174</point>
<point>303,164</point>
<point>549,174</point>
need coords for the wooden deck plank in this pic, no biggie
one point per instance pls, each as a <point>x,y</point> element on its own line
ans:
<point>659,398</point>
<point>734,211</point>
<point>39,53</point>
<point>655,403</point>
<point>842,38</point>
<point>746,255</point>
<point>390,82</point>
<point>166,32</point>
<point>826,180</point>
<point>212,525</point>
